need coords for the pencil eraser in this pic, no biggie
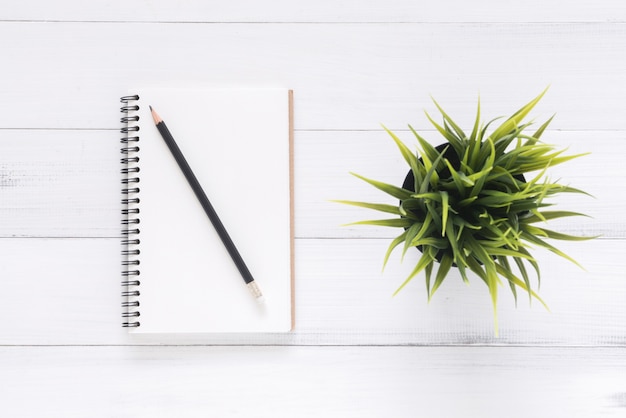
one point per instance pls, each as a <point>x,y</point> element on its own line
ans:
<point>254,289</point>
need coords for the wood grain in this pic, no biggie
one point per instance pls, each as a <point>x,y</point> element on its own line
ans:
<point>67,291</point>
<point>60,183</point>
<point>350,76</point>
<point>313,381</point>
<point>337,11</point>
<point>72,189</point>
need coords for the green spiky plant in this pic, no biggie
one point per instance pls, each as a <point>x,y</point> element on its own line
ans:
<point>467,203</point>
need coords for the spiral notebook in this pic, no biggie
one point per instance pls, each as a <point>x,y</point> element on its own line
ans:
<point>177,276</point>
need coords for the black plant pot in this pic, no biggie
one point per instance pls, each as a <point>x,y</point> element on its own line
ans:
<point>451,155</point>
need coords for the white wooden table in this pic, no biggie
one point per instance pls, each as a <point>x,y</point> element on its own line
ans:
<point>356,351</point>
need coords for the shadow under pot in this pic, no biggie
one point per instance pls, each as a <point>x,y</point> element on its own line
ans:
<point>444,175</point>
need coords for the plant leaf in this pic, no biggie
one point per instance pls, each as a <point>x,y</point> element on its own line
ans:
<point>513,122</point>
<point>547,215</point>
<point>375,206</point>
<point>564,237</point>
<point>394,223</point>
<point>410,235</point>
<point>453,140</point>
<point>431,173</point>
<point>444,268</point>
<point>533,263</point>
<point>429,153</point>
<point>444,211</point>
<point>424,260</point>
<point>522,269</point>
<point>428,270</point>
<point>539,132</point>
<point>511,277</point>
<point>409,156</point>
<point>507,267</point>
<point>495,251</point>
<point>438,243</point>
<point>530,237</point>
<point>473,136</point>
<point>397,241</point>
<point>395,191</point>
<point>456,253</point>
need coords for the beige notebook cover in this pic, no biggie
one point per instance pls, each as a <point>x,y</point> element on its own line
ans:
<point>239,144</point>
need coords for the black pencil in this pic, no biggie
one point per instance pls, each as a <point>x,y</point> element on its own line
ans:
<point>206,205</point>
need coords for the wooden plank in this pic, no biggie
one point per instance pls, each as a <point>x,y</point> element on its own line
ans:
<point>313,381</point>
<point>345,76</point>
<point>345,293</point>
<point>58,183</point>
<point>67,291</point>
<point>398,11</point>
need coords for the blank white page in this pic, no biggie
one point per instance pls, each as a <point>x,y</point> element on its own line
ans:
<point>238,144</point>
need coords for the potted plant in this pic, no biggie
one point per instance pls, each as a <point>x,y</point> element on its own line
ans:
<point>476,202</point>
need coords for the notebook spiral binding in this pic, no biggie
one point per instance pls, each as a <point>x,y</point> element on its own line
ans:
<point>130,211</point>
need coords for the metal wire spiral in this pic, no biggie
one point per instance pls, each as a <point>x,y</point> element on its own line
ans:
<point>130,212</point>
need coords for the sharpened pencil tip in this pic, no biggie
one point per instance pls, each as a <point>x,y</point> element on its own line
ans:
<point>155,116</point>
